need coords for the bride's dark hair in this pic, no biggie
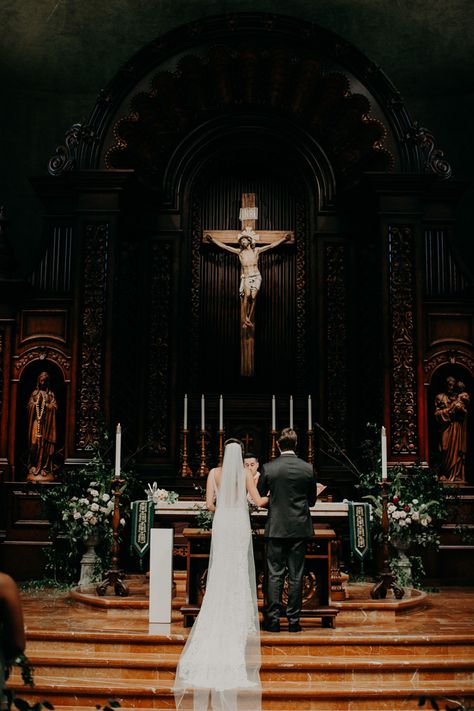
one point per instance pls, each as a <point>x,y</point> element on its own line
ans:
<point>232,440</point>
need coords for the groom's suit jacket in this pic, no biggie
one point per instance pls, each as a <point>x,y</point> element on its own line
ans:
<point>292,485</point>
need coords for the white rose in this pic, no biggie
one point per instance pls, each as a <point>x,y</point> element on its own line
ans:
<point>424,522</point>
<point>391,507</point>
<point>415,501</point>
<point>93,521</point>
<point>93,492</point>
<point>415,516</point>
<point>105,497</point>
<point>103,509</point>
<point>402,522</point>
<point>403,514</point>
<point>88,515</point>
<point>122,522</point>
<point>77,515</point>
<point>408,520</point>
<point>93,483</point>
<point>94,507</point>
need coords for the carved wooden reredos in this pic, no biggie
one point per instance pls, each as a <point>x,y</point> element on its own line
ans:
<point>248,103</point>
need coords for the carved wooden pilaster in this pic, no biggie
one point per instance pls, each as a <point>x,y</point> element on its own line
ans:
<point>91,357</point>
<point>300,234</point>
<point>193,344</point>
<point>402,290</point>
<point>336,319</point>
<point>156,432</point>
<point>2,347</point>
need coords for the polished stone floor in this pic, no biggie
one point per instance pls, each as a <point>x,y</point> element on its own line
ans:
<point>379,657</point>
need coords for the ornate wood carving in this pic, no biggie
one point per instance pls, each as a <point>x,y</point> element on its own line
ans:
<point>448,356</point>
<point>91,365</point>
<point>434,160</point>
<point>157,415</point>
<point>43,353</point>
<point>66,157</point>
<point>317,100</point>
<point>336,338</point>
<point>402,326</point>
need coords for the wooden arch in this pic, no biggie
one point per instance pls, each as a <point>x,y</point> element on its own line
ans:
<point>257,63</point>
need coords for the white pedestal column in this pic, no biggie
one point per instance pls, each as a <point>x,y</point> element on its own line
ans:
<point>161,575</point>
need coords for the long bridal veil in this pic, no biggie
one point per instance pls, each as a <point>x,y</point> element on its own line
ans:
<point>219,666</point>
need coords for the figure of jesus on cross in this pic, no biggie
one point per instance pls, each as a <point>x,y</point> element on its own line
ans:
<point>250,278</point>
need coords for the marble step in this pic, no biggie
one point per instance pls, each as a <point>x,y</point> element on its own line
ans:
<point>274,667</point>
<point>317,696</point>
<point>308,642</point>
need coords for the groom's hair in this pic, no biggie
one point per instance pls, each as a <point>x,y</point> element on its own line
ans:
<point>287,439</point>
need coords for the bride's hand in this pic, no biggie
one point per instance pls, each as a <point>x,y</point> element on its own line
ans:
<point>265,501</point>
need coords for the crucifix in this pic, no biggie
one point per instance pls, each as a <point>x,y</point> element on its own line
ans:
<point>250,277</point>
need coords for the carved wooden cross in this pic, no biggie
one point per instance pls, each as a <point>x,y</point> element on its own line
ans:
<point>248,246</point>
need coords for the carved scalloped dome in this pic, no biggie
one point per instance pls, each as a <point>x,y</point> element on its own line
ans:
<point>268,82</point>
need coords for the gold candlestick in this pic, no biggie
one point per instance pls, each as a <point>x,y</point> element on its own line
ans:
<point>274,445</point>
<point>185,469</point>
<point>386,577</point>
<point>310,446</point>
<point>114,576</point>
<point>203,469</point>
<point>221,447</point>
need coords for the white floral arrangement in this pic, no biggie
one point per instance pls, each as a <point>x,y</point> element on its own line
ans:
<point>89,514</point>
<point>410,520</point>
<point>160,496</point>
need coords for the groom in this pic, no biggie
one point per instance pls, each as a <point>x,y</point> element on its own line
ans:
<point>292,485</point>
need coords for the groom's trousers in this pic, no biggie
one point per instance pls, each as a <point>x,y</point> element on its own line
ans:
<point>284,556</point>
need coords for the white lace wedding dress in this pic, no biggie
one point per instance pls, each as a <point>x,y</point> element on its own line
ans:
<point>219,666</point>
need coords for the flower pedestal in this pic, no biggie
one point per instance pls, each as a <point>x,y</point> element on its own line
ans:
<point>401,564</point>
<point>88,561</point>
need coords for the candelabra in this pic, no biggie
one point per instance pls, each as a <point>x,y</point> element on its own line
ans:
<point>273,446</point>
<point>114,575</point>
<point>311,446</point>
<point>185,469</point>
<point>386,577</point>
<point>203,469</point>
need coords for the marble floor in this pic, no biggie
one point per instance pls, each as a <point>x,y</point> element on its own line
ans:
<point>375,658</point>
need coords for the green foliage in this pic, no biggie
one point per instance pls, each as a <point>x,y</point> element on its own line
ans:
<point>204,517</point>
<point>79,507</point>
<point>417,506</point>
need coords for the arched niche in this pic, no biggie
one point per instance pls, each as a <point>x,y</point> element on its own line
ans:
<point>26,385</point>
<point>457,368</point>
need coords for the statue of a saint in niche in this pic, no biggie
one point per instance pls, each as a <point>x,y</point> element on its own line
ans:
<point>41,409</point>
<point>451,412</point>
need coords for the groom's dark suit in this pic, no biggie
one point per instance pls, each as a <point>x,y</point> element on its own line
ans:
<point>292,485</point>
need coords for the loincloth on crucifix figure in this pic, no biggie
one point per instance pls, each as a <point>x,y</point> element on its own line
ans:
<point>250,278</point>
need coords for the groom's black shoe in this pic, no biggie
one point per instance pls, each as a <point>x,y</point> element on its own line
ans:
<point>294,627</point>
<point>271,626</point>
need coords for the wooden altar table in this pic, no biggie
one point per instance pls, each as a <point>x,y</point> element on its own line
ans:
<point>317,580</point>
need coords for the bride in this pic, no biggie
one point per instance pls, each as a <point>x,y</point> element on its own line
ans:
<point>220,663</point>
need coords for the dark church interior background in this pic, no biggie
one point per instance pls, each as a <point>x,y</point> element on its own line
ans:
<point>114,292</point>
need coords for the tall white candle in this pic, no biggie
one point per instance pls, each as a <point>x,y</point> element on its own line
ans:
<point>291,411</point>
<point>310,413</point>
<point>203,413</point>
<point>185,415</point>
<point>221,412</point>
<point>384,453</point>
<point>274,417</point>
<point>118,446</point>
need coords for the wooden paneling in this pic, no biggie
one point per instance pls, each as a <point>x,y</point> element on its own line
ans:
<point>50,324</point>
<point>444,327</point>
